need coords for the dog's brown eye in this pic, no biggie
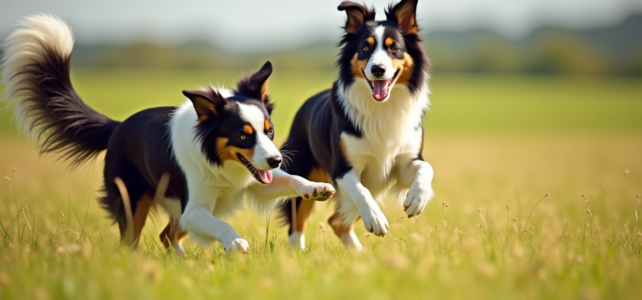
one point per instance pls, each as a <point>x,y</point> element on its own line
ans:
<point>243,137</point>
<point>366,48</point>
<point>394,48</point>
<point>270,131</point>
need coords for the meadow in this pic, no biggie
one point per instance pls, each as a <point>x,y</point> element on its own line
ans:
<point>537,182</point>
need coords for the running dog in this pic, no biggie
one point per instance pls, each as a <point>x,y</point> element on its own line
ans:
<point>365,134</point>
<point>209,153</point>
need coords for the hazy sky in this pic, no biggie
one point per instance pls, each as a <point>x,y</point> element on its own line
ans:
<point>255,25</point>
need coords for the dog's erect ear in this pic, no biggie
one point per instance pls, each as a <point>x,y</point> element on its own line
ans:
<point>404,14</point>
<point>255,85</point>
<point>206,102</point>
<point>357,15</point>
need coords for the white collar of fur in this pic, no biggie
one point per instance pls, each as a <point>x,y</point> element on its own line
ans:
<point>383,119</point>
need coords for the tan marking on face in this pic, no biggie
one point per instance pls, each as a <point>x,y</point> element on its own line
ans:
<point>358,66</point>
<point>267,124</point>
<point>406,65</point>
<point>389,41</point>
<point>172,234</point>
<point>336,222</point>
<point>140,216</point>
<point>230,152</point>
<point>370,41</point>
<point>248,129</point>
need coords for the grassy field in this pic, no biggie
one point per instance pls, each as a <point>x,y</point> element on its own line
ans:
<point>499,145</point>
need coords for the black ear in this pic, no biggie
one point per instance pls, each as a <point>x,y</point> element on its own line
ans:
<point>404,14</point>
<point>206,102</point>
<point>357,15</point>
<point>255,85</point>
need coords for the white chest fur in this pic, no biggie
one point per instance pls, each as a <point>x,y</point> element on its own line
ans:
<point>222,189</point>
<point>390,130</point>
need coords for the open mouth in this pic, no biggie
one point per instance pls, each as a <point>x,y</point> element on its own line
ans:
<point>381,88</point>
<point>262,176</point>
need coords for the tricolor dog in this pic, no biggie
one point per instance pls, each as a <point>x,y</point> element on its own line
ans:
<point>365,134</point>
<point>210,152</point>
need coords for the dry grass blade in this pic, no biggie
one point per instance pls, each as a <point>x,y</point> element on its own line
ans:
<point>529,214</point>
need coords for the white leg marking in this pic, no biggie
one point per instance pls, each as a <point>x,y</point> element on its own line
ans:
<point>200,221</point>
<point>297,239</point>
<point>421,190</point>
<point>351,242</point>
<point>284,185</point>
<point>373,219</point>
<point>178,249</point>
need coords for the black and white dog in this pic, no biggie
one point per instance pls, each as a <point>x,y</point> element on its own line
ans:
<point>365,134</point>
<point>216,147</point>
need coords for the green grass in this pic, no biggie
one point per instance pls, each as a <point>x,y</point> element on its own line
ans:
<point>498,144</point>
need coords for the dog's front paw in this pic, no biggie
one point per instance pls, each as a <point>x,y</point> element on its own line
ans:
<point>238,245</point>
<point>316,191</point>
<point>374,220</point>
<point>418,196</point>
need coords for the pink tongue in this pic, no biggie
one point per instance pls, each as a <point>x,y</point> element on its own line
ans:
<point>266,176</point>
<point>380,89</point>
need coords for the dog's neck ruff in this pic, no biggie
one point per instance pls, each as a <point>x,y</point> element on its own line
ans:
<point>188,153</point>
<point>383,122</point>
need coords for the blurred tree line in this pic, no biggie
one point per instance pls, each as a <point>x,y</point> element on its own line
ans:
<point>615,50</point>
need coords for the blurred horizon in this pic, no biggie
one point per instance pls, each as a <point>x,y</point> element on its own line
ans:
<point>589,37</point>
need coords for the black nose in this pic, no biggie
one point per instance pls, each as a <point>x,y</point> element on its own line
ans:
<point>378,70</point>
<point>274,161</point>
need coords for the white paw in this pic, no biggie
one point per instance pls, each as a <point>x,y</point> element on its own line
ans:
<point>351,242</point>
<point>418,196</point>
<point>297,240</point>
<point>179,251</point>
<point>374,220</point>
<point>317,191</point>
<point>237,245</point>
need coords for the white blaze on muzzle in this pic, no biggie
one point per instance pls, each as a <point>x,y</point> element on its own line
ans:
<point>264,147</point>
<point>382,84</point>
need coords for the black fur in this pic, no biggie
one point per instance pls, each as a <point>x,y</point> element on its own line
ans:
<point>68,127</point>
<point>139,152</point>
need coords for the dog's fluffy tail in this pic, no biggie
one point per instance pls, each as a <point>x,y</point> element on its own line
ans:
<point>36,79</point>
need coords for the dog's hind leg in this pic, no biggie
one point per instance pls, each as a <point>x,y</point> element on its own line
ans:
<point>131,229</point>
<point>140,216</point>
<point>128,201</point>
<point>172,236</point>
<point>345,233</point>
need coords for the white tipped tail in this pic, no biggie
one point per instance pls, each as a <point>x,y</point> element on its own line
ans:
<point>35,73</point>
<point>40,35</point>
